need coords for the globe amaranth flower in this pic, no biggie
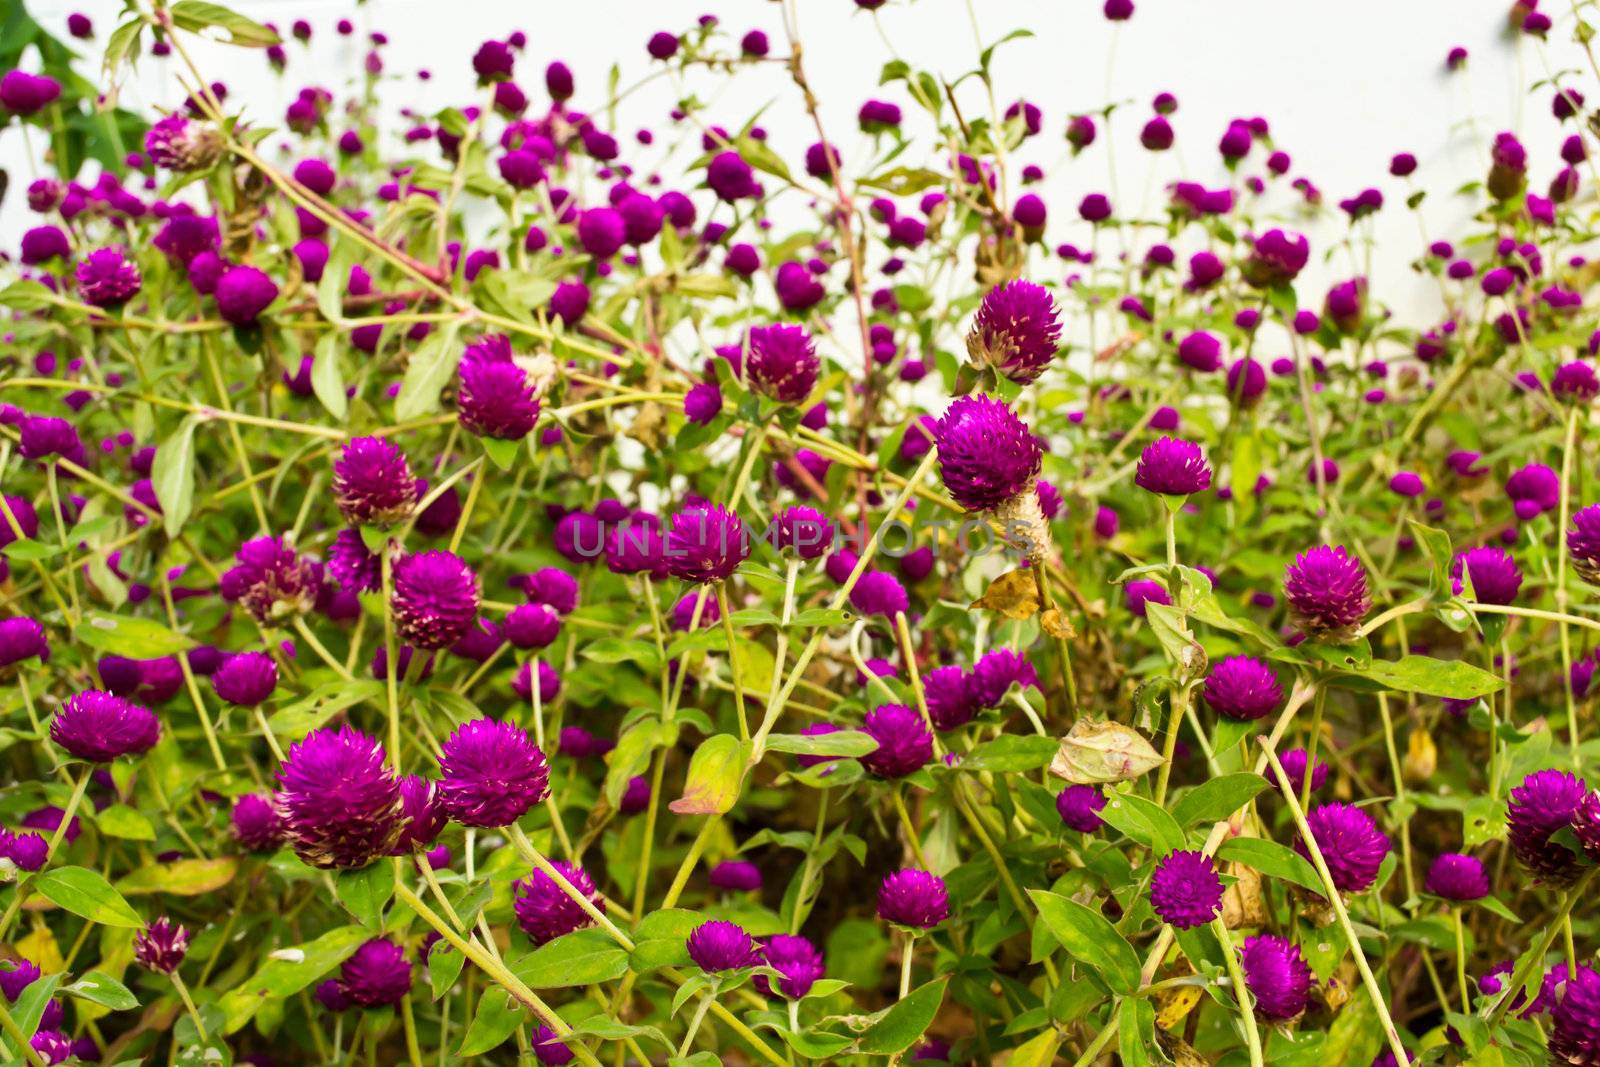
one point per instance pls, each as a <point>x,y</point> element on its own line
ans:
<point>1327,591</point>
<point>435,599</point>
<point>1185,890</point>
<point>243,293</point>
<point>1142,592</point>
<point>879,593</point>
<point>1294,769</point>
<point>904,742</point>
<point>987,456</point>
<point>549,1049</point>
<point>354,566</point>
<point>706,544</point>
<point>423,818</point>
<point>1575,1020</point>
<point>177,143</point>
<point>376,975</point>
<point>1079,807</point>
<point>1544,803</point>
<point>636,546</point>
<point>702,403</point>
<point>22,638</point>
<point>913,898</point>
<point>372,483</point>
<point>549,682</point>
<point>43,436</point>
<point>532,626</point>
<point>1533,490</point>
<point>796,959</point>
<point>257,823</point>
<point>1172,467</point>
<point>497,399</point>
<point>1276,975</point>
<point>1494,574</point>
<point>491,773</point>
<point>719,945</point>
<point>1243,688</point>
<point>270,580</point>
<point>1583,543</point>
<point>782,363</point>
<point>1456,876</point>
<point>1275,259</point>
<point>1017,330</point>
<point>545,910</point>
<point>161,946</point>
<point>950,702</point>
<point>22,93</point>
<point>995,673</point>
<point>98,727</point>
<point>1350,842</point>
<point>1575,382</point>
<point>340,802</point>
<point>107,278</point>
<point>246,679</point>
<point>804,530</point>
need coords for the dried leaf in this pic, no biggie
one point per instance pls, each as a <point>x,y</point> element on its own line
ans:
<point>1422,757</point>
<point>1242,902</point>
<point>1098,752</point>
<point>1054,623</point>
<point>1013,595</point>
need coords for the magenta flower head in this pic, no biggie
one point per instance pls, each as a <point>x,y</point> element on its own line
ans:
<point>176,143</point>
<point>532,626</point>
<point>1327,591</point>
<point>914,899</point>
<point>782,363</point>
<point>1185,890</point>
<point>1173,468</point>
<point>22,93</point>
<point>99,727</point>
<point>544,909</point>
<point>1079,807</point>
<point>270,580</point>
<point>1494,574</point>
<point>22,638</point>
<point>1508,166</point>
<point>372,483</point>
<point>107,278</point>
<point>1017,331</point>
<point>796,959</point>
<point>1276,258</point>
<point>805,530</point>
<point>340,802</point>
<point>719,945</point>
<point>353,565</point>
<point>497,399</point>
<point>1350,843</point>
<point>702,403</point>
<point>435,599</point>
<point>987,455</point>
<point>1201,351</point>
<point>246,679</point>
<point>376,975</point>
<point>243,293</point>
<point>1575,1020</point>
<point>43,436</point>
<point>1243,688</point>
<point>1276,976</point>
<point>257,823</point>
<point>491,773</point>
<point>1533,490</point>
<point>1456,876</point>
<point>706,544</point>
<point>1294,769</point>
<point>995,673</point>
<point>1544,803</point>
<point>950,702</point>
<point>904,743</point>
<point>161,946</point>
<point>736,875</point>
<point>1583,543</point>
<point>1575,382</point>
<point>879,593</point>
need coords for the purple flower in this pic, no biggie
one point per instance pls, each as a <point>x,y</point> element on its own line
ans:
<point>1350,842</point>
<point>491,773</point>
<point>161,946</point>
<point>243,293</point>
<point>354,567</point>
<point>1533,490</point>
<point>1583,543</point>
<point>545,911</point>
<point>493,62</point>
<point>904,743</point>
<point>246,679</point>
<point>796,959</point>
<point>1276,258</point>
<point>706,544</point>
<point>719,945</point>
<point>1079,807</point>
<point>257,823</point>
<point>803,529</point>
<point>879,593</point>
<point>1172,467</point>
<point>107,278</point>
<point>99,727</point>
<point>1185,890</point>
<point>914,899</point>
<point>553,587</point>
<point>782,363</point>
<point>423,819</point>
<point>43,436</point>
<point>1575,1020</point>
<point>987,455</point>
<point>1142,592</point>
<point>1201,351</point>
<point>549,682</point>
<point>949,697</point>
<point>1294,769</point>
<point>1017,331</point>
<point>26,94</point>
<point>731,178</point>
<point>435,599</point>
<point>1494,574</point>
<point>270,580</point>
<point>532,626</point>
<point>994,674</point>
<point>376,975</point>
<point>497,399</point>
<point>1575,382</point>
<point>1327,591</point>
<point>1276,976</point>
<point>702,403</point>
<point>372,483</point>
<point>1243,688</point>
<point>22,638</point>
<point>339,801</point>
<point>736,875</point>
<point>1544,803</point>
<point>1456,876</point>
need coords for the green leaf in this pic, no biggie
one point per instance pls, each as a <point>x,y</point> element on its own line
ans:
<point>172,476</point>
<point>906,1022</point>
<point>84,892</point>
<point>123,635</point>
<point>183,878</point>
<point>838,743</point>
<point>716,772</point>
<point>1012,752</point>
<point>1090,939</point>
<point>498,1015</point>
<point>124,822</point>
<point>196,15</point>
<point>444,967</point>
<point>816,1044</point>
<point>1217,799</point>
<point>104,990</point>
<point>26,296</point>
<point>1273,859</point>
<point>430,367</point>
<point>1437,544</point>
<point>366,892</point>
<point>1433,677</point>
<point>29,1008</point>
<point>1143,821</point>
<point>294,721</point>
<point>583,957</point>
<point>1137,1032</point>
<point>289,970</point>
<point>1038,1052</point>
<point>327,377</point>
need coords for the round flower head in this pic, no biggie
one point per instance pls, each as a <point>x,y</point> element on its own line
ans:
<point>497,399</point>
<point>99,727</point>
<point>1243,688</point>
<point>736,875</point>
<point>257,824</point>
<point>179,144</point>
<point>372,483</point>
<point>53,1046</point>
<point>1583,543</point>
<point>532,626</point>
<point>107,278</point>
<point>995,673</point>
<point>987,456</point>
<point>1494,574</point>
<point>914,899</point>
<point>796,959</point>
<point>805,530</point>
<point>552,587</point>
<point>340,802</point>
<point>1575,383</point>
<point>1294,769</point>
<point>879,593</point>
<point>1172,467</point>
<point>1142,592</point>
<point>549,1049</point>
<point>904,743</point>
<point>353,566</point>
<point>1575,1020</point>
<point>246,679</point>
<point>22,638</point>
<point>950,702</point>
<point>1545,802</point>
<point>702,403</point>
<point>17,975</point>
<point>1276,976</point>
<point>43,436</point>
<point>243,293</point>
<point>1201,351</point>
<point>1586,823</point>
<point>719,945</point>
<point>161,946</point>
<point>423,819</point>
<point>270,580</point>
<point>1350,843</point>
<point>1079,807</point>
<point>1455,876</point>
<point>1533,490</point>
<point>549,681</point>
<point>376,975</point>
<point>706,544</point>
<point>491,773</point>
<point>1276,258</point>
<point>545,911</point>
<point>782,363</point>
<point>1185,890</point>
<point>1017,331</point>
<point>1327,591</point>
<point>435,599</point>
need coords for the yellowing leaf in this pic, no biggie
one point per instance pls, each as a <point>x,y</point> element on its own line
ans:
<point>1013,595</point>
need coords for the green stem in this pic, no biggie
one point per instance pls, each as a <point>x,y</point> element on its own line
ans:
<point>1534,960</point>
<point>1241,992</point>
<point>733,659</point>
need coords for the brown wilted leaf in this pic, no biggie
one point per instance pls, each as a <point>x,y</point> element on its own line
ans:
<point>1095,753</point>
<point>1013,595</point>
<point>1174,1004</point>
<point>1056,624</point>
<point>1242,903</point>
<point>1180,1052</point>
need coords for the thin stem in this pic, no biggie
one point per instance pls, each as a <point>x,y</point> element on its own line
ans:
<point>18,1038</point>
<point>1534,960</point>
<point>1241,991</point>
<point>1461,961</point>
<point>188,1003</point>
<point>912,837</point>
<point>694,1023</point>
<point>905,963</point>
<point>733,659</point>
